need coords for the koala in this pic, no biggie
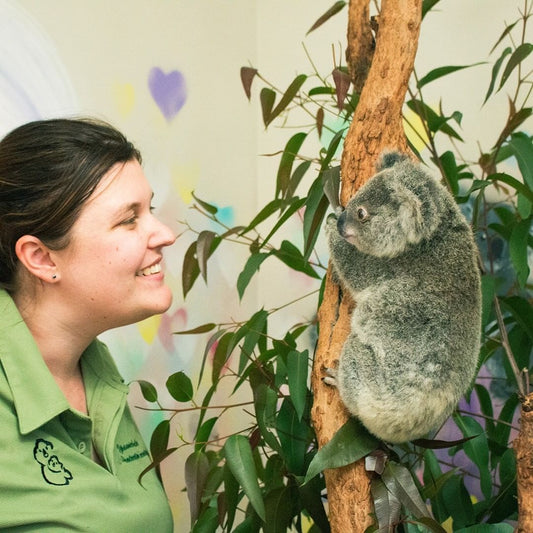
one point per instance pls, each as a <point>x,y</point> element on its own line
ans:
<point>407,256</point>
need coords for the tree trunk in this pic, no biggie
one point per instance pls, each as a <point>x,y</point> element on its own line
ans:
<point>523,447</point>
<point>377,125</point>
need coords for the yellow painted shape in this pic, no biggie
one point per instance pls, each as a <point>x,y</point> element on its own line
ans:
<point>148,328</point>
<point>124,96</point>
<point>184,179</point>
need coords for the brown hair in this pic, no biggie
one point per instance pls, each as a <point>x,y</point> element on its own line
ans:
<point>48,169</point>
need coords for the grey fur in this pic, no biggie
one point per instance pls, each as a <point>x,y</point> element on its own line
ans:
<point>406,254</point>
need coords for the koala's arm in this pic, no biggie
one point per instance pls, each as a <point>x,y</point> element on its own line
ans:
<point>352,268</point>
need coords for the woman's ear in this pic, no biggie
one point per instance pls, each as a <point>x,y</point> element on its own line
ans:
<point>36,258</point>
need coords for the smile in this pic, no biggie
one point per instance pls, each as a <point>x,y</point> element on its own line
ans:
<point>148,271</point>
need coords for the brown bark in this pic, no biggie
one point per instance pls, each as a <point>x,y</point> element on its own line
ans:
<point>523,447</point>
<point>377,125</point>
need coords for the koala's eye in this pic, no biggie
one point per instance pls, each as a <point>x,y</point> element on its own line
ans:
<point>362,214</point>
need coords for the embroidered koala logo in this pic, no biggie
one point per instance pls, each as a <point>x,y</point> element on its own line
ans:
<point>52,468</point>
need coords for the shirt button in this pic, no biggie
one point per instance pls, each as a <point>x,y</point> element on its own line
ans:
<point>82,447</point>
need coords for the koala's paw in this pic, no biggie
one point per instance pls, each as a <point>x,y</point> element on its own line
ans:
<point>331,377</point>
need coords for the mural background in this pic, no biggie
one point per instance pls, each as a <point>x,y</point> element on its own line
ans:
<point>166,72</point>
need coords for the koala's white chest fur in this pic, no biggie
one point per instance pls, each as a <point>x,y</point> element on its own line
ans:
<point>407,256</point>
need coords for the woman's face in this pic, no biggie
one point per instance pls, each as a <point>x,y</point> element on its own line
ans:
<point>112,268</point>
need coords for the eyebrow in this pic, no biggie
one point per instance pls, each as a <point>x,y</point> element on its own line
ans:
<point>133,206</point>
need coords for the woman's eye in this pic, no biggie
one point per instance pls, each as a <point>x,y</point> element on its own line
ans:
<point>130,221</point>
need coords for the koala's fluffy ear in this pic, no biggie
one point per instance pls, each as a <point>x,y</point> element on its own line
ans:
<point>410,214</point>
<point>389,159</point>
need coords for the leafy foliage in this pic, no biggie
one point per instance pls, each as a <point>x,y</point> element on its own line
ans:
<point>268,475</point>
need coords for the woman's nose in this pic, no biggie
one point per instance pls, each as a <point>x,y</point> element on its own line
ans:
<point>162,235</point>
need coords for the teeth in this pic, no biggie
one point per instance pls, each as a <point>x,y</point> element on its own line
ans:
<point>154,269</point>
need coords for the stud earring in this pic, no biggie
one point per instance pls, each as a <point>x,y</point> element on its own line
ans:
<point>54,276</point>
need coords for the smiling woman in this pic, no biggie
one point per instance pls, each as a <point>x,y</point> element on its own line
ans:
<point>80,253</point>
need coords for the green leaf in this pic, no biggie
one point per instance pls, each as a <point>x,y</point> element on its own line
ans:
<point>272,207</point>
<point>297,368</point>
<point>180,387</point>
<point>292,257</point>
<point>279,509</point>
<point>207,521</point>
<point>477,450</point>
<point>331,180</point>
<point>316,207</point>
<point>202,435</point>
<point>210,343</point>
<point>210,208</point>
<point>149,392</point>
<point>458,502</point>
<point>296,178</point>
<point>196,471</point>
<point>292,434</point>
<point>241,463</point>
<point>287,160</point>
<point>190,269</point>
<point>253,331</point>
<point>516,58</point>
<point>294,205</point>
<point>386,505</point>
<point>159,440</point>
<point>267,97</point>
<point>487,528</point>
<point>204,328</point>
<point>203,250</point>
<point>333,10</point>
<point>231,495</point>
<point>437,73</point>
<point>247,77</point>
<point>400,483</point>
<point>250,268</point>
<point>521,146</point>
<point>495,71</point>
<point>265,403</point>
<point>288,95</point>
<point>351,442</point>
<point>222,352</point>
<point>514,183</point>
<point>518,250</point>
<point>427,5</point>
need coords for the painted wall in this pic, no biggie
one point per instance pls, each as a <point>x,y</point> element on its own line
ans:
<point>166,72</point>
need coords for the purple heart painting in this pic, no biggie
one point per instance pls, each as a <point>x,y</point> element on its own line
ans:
<point>168,90</point>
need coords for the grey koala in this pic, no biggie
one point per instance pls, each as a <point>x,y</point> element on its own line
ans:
<point>406,254</point>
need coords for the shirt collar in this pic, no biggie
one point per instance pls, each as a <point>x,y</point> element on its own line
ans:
<point>36,395</point>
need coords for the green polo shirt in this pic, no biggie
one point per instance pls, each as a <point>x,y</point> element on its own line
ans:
<point>48,479</point>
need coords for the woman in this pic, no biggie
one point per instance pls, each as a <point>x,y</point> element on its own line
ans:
<point>80,253</point>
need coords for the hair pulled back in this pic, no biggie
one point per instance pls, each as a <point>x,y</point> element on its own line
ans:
<point>48,170</point>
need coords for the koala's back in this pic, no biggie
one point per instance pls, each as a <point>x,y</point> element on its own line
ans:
<point>414,342</point>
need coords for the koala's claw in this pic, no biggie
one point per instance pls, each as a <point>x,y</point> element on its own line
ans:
<point>331,377</point>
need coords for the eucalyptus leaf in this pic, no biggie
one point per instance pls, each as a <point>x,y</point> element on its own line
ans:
<point>400,483</point>
<point>247,77</point>
<point>518,250</point>
<point>333,10</point>
<point>180,387</point>
<point>241,463</point>
<point>386,505</point>
<point>204,328</point>
<point>203,250</point>
<point>521,52</point>
<point>148,391</point>
<point>196,471</point>
<point>349,444</point>
<point>297,369</point>
<point>267,97</point>
<point>250,268</point>
<point>439,72</point>
<point>287,97</point>
<point>287,160</point>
